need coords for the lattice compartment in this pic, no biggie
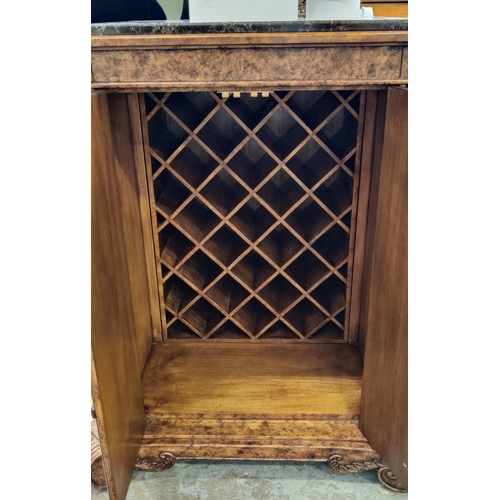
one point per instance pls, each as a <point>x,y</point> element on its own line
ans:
<point>280,294</point>
<point>153,101</point>
<point>330,295</point>
<point>197,220</point>
<point>180,331</point>
<point>343,270</point>
<point>281,133</point>
<point>252,164</point>
<point>280,245</point>
<point>252,220</point>
<point>178,295</point>
<point>252,110</point>
<point>253,270</point>
<point>281,192</point>
<point>309,220</point>
<point>328,332</point>
<point>222,133</point>
<point>225,246</point>
<point>229,331</point>
<point>336,192</point>
<point>202,317</point>
<point>306,317</point>
<point>174,246</point>
<point>350,163</point>
<point>227,293</point>
<point>224,192</point>
<point>311,164</point>
<point>164,272</point>
<point>314,107</point>
<point>307,270</point>
<point>340,133</point>
<point>200,270</point>
<point>165,134</point>
<point>170,194</point>
<point>253,200</point>
<point>194,164</point>
<point>191,107</point>
<point>278,331</point>
<point>333,245</point>
<point>353,99</point>
<point>253,317</point>
<point>156,165</point>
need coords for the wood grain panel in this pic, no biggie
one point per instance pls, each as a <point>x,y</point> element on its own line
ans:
<point>384,403</point>
<point>372,158</point>
<point>125,158</point>
<point>244,68</point>
<point>223,438</point>
<point>144,208</point>
<point>366,167</point>
<point>116,356</point>
<point>388,9</point>
<point>252,380</point>
<point>265,429</point>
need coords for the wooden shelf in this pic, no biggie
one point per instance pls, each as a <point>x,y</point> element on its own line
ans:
<point>224,380</point>
<point>253,199</point>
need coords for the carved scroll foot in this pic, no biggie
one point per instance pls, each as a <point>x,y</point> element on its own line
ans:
<point>389,480</point>
<point>344,463</point>
<point>166,461</point>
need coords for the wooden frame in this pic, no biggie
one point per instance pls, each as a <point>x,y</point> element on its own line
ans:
<point>226,200</point>
<point>184,214</point>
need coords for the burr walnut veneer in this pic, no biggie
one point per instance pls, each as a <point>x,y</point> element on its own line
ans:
<point>249,250</point>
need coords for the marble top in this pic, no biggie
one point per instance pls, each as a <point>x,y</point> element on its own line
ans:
<point>301,25</point>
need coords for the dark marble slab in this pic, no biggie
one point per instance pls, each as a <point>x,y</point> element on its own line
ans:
<point>186,27</point>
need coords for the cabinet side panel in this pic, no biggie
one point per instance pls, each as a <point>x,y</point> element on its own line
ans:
<point>384,398</point>
<point>370,178</point>
<point>129,163</point>
<point>364,173</point>
<point>116,358</point>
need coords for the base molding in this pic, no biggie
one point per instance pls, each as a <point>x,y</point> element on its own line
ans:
<point>301,439</point>
<point>339,443</point>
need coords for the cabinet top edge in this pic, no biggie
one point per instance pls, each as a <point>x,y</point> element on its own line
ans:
<point>134,28</point>
<point>107,42</point>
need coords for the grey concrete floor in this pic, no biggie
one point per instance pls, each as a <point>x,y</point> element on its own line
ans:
<point>254,480</point>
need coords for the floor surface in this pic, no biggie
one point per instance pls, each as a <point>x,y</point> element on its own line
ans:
<point>254,480</point>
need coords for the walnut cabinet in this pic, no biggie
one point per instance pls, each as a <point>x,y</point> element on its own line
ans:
<point>249,250</point>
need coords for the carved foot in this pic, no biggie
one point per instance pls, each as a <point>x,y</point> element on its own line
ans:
<point>166,461</point>
<point>389,480</point>
<point>344,463</point>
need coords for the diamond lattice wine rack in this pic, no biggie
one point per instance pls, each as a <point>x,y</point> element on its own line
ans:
<point>254,205</point>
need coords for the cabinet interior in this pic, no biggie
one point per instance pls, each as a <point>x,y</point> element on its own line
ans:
<point>253,206</point>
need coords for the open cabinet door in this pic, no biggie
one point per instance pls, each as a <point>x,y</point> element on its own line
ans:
<point>384,398</point>
<point>121,314</point>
